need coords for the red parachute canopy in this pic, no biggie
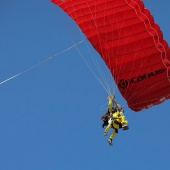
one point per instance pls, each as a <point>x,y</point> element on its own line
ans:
<point>131,44</point>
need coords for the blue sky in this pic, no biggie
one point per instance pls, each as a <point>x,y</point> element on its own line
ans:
<point>50,115</point>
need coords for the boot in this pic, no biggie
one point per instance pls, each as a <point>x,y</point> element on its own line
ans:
<point>110,141</point>
<point>125,127</point>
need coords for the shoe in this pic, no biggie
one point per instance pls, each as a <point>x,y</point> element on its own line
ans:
<point>105,133</point>
<point>125,127</point>
<point>110,142</point>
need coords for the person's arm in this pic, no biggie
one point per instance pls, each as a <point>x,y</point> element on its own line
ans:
<point>110,105</point>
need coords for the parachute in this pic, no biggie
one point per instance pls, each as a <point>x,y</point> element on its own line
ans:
<point>131,44</point>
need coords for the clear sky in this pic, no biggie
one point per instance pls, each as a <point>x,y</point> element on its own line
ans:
<point>50,115</point>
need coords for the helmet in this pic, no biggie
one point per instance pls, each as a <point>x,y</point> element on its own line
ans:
<point>121,110</point>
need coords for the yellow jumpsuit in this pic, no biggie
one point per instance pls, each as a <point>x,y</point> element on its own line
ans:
<point>116,123</point>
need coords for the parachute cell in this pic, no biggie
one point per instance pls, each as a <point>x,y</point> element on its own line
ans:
<point>131,44</point>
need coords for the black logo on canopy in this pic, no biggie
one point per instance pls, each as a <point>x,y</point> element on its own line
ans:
<point>123,84</point>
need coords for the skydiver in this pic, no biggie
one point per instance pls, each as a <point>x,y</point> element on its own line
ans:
<point>116,121</point>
